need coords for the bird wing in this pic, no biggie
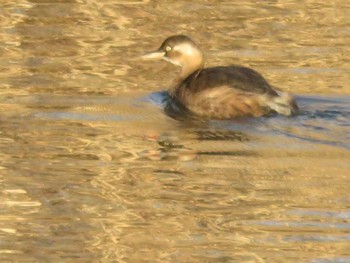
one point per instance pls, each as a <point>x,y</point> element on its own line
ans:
<point>236,77</point>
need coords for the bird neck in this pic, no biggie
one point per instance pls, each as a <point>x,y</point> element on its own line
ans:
<point>184,73</point>
<point>189,64</point>
<point>188,69</point>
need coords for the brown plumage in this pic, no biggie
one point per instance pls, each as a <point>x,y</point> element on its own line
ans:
<point>219,92</point>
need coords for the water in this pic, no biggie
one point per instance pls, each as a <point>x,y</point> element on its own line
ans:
<point>93,170</point>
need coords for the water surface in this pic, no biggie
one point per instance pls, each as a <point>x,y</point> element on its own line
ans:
<point>93,170</point>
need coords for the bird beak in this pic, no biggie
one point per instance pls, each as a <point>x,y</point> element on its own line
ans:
<point>158,54</point>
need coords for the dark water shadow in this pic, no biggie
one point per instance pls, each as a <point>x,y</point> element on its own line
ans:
<point>320,120</point>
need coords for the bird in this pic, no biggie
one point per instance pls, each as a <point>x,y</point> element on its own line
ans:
<point>221,92</point>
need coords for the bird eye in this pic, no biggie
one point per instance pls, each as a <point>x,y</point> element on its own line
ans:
<point>167,49</point>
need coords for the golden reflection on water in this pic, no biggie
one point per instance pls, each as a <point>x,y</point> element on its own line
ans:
<point>92,170</point>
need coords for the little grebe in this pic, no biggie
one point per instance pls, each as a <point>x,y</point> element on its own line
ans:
<point>219,92</point>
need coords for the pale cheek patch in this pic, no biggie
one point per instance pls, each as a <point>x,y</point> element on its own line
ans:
<point>185,49</point>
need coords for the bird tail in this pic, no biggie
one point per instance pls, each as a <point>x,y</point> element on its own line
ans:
<point>284,103</point>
